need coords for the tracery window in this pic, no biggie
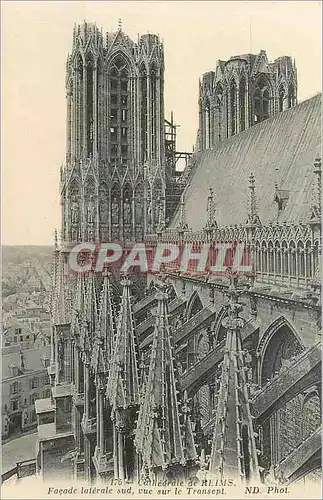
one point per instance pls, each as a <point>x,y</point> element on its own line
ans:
<point>284,259</point>
<point>233,107</point>
<point>78,100</point>
<point>292,249</point>
<point>89,104</point>
<point>291,96</point>
<point>219,111</point>
<point>264,267</point>
<point>258,257</point>
<point>242,104</point>
<point>308,259</point>
<point>143,113</point>
<point>119,111</point>
<point>261,100</point>
<point>277,258</point>
<point>270,258</point>
<point>207,126</point>
<point>281,97</point>
<point>153,114</point>
<point>290,427</point>
<point>301,258</point>
<point>311,417</point>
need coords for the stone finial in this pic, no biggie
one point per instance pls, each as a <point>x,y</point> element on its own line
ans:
<point>183,225</point>
<point>253,217</point>
<point>211,223</point>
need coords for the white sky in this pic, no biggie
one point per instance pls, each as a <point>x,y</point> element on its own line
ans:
<point>36,37</point>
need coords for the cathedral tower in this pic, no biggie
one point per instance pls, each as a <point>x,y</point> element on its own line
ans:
<point>113,180</point>
<point>242,92</point>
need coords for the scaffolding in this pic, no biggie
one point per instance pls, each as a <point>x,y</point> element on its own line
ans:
<point>172,155</point>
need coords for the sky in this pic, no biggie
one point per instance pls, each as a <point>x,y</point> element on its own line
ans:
<point>37,36</point>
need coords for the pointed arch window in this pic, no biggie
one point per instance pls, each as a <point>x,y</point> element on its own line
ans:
<point>242,104</point>
<point>233,107</point>
<point>219,111</point>
<point>207,125</point>
<point>291,96</point>
<point>264,253</point>
<point>311,414</point>
<point>89,104</point>
<point>277,258</point>
<point>119,111</point>
<point>262,98</point>
<point>258,257</point>
<point>285,259</point>
<point>301,258</point>
<point>270,258</point>
<point>281,97</point>
<point>308,259</point>
<point>153,103</point>
<point>143,112</point>
<point>292,249</point>
<point>79,106</point>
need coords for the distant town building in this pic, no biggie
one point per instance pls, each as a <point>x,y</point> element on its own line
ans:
<point>18,333</point>
<point>24,380</point>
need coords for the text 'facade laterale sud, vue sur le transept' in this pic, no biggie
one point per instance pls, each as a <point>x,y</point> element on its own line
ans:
<point>185,374</point>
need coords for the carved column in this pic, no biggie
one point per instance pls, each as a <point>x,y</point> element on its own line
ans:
<point>115,455</point>
<point>121,469</point>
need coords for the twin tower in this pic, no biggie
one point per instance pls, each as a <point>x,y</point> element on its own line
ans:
<point>114,180</point>
<point>117,182</point>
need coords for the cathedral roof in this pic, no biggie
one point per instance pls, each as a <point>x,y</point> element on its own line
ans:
<point>278,151</point>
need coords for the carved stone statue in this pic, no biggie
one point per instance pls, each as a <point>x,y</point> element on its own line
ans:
<point>91,210</point>
<point>127,211</point>
<point>104,212</point>
<point>115,211</point>
<point>60,353</point>
<point>74,212</point>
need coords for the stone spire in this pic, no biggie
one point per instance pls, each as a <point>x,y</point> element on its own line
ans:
<point>253,217</point>
<point>162,437</point>
<point>90,316</point>
<point>123,381</point>
<point>104,335</point>
<point>123,387</point>
<point>211,224</point>
<point>78,307</point>
<point>316,204</point>
<point>234,452</point>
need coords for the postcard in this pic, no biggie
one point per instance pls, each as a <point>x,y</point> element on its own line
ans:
<point>161,287</point>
